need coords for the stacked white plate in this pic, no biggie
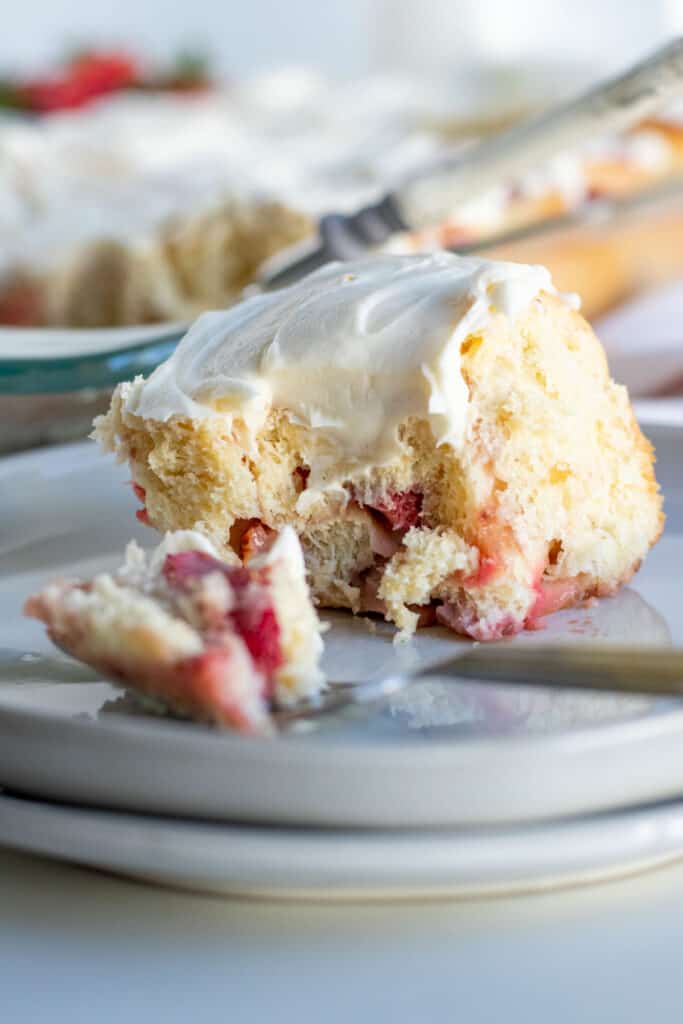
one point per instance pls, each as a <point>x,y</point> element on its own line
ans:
<point>450,788</point>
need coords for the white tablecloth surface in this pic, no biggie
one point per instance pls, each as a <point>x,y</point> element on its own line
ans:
<point>79,946</point>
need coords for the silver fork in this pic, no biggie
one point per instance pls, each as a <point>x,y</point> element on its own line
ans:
<point>429,195</point>
<point>648,671</point>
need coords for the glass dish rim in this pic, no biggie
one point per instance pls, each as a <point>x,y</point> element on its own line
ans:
<point>101,369</point>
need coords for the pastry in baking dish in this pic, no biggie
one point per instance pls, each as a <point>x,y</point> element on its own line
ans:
<point>209,638</point>
<point>146,208</point>
<point>442,433</point>
<point>193,263</point>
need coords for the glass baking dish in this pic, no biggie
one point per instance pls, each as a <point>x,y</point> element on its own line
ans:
<point>606,252</point>
<point>54,381</point>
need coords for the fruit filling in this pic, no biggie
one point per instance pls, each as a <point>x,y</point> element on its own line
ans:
<point>212,639</point>
<point>441,433</point>
<point>401,510</point>
<point>250,611</point>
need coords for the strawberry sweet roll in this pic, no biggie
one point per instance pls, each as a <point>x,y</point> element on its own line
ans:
<point>442,434</point>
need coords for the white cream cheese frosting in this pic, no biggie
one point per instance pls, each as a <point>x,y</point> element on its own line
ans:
<point>350,352</point>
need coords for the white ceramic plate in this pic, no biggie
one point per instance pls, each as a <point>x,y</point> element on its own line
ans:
<point>288,863</point>
<point>443,755</point>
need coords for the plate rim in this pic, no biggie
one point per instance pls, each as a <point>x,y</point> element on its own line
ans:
<point>150,738</point>
<point>272,862</point>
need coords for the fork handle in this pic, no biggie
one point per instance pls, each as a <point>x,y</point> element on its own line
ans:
<point>654,671</point>
<point>611,106</point>
<point>649,671</point>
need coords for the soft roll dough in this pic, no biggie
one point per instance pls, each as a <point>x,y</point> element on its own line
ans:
<point>459,452</point>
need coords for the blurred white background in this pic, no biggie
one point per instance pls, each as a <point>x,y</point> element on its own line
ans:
<point>352,36</point>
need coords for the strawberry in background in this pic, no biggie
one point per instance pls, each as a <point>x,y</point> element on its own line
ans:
<point>84,78</point>
<point>90,74</point>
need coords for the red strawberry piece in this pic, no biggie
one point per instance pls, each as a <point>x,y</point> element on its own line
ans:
<point>260,631</point>
<point>49,94</point>
<point>253,615</point>
<point>99,73</point>
<point>142,514</point>
<point>85,78</point>
<point>256,538</point>
<point>463,619</point>
<point>181,569</point>
<point>21,304</point>
<point>401,509</point>
<point>494,540</point>
<point>551,595</point>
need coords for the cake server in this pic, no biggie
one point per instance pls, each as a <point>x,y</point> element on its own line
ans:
<point>645,671</point>
<point>430,195</point>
